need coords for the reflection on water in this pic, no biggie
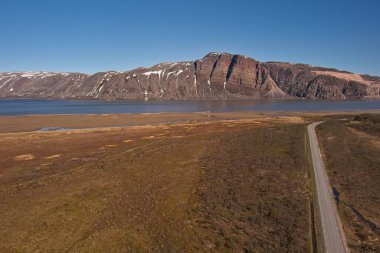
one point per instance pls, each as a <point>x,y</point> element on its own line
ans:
<point>36,106</point>
<point>50,129</point>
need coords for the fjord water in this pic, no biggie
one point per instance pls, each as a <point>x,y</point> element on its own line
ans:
<point>37,106</point>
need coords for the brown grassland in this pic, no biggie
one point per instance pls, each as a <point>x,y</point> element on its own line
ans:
<point>196,182</point>
<point>220,186</point>
<point>352,155</point>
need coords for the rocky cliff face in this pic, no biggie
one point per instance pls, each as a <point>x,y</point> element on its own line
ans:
<point>216,76</point>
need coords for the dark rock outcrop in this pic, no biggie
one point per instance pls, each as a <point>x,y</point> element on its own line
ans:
<point>216,76</point>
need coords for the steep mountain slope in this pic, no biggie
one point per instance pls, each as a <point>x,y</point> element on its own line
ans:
<point>216,76</point>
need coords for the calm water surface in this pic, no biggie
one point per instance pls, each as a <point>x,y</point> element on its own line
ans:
<point>36,106</point>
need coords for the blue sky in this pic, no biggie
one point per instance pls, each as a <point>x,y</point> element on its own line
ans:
<point>90,36</point>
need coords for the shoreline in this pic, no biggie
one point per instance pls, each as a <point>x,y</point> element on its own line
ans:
<point>363,98</point>
<point>70,122</point>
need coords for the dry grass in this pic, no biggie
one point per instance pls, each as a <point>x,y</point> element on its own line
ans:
<point>16,124</point>
<point>353,164</point>
<point>202,187</point>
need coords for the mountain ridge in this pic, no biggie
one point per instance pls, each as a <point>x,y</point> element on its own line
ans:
<point>215,76</point>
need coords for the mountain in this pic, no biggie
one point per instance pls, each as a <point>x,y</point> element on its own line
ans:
<point>216,76</point>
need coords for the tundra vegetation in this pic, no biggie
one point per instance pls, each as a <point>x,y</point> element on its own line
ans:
<point>231,185</point>
<point>237,182</point>
<point>351,148</point>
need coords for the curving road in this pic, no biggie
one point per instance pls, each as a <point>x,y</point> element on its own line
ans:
<point>333,234</point>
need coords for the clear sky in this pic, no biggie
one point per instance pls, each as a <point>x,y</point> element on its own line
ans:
<point>91,35</point>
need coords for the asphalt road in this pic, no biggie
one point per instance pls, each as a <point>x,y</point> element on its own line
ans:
<point>332,230</point>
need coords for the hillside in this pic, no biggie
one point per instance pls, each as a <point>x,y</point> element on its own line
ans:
<point>216,76</point>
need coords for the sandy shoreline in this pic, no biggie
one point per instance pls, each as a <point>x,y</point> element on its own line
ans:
<point>30,123</point>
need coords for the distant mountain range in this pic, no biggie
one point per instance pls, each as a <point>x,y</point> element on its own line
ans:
<point>216,76</point>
